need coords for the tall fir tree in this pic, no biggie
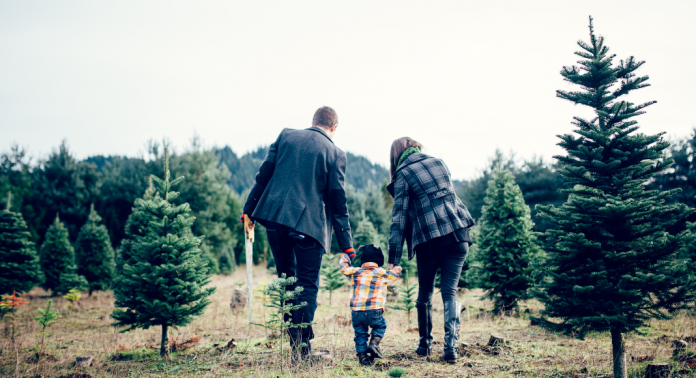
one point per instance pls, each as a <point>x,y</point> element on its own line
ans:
<point>57,258</point>
<point>63,185</point>
<point>93,253</point>
<point>163,282</point>
<point>19,263</point>
<point>613,266</point>
<point>205,190</point>
<point>507,252</point>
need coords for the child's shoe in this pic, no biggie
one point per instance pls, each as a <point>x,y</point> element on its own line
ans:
<point>364,358</point>
<point>373,348</point>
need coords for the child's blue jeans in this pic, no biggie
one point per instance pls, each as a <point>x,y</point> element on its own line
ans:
<point>361,321</point>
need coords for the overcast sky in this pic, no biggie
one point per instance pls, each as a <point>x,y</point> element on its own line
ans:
<point>462,77</point>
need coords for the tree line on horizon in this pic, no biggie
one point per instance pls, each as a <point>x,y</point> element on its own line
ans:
<point>62,185</point>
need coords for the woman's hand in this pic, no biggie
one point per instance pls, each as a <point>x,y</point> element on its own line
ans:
<point>391,266</point>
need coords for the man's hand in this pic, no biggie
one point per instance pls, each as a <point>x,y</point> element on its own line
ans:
<point>252,223</point>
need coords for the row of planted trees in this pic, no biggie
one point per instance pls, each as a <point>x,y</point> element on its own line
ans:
<point>57,266</point>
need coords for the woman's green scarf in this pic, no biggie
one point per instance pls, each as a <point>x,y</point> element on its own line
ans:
<point>407,153</point>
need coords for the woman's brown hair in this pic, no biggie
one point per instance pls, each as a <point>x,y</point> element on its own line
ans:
<point>398,148</point>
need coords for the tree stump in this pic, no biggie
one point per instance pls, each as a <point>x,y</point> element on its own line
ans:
<point>496,340</point>
<point>239,299</point>
<point>660,370</point>
<point>393,291</point>
<point>679,347</point>
<point>84,361</point>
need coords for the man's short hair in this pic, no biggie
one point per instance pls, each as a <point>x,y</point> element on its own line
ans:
<point>325,117</point>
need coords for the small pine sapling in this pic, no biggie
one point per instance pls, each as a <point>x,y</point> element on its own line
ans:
<point>407,298</point>
<point>7,307</point>
<point>282,300</point>
<point>333,278</point>
<point>46,318</point>
<point>73,296</point>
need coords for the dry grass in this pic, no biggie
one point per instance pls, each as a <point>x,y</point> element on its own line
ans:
<point>532,351</point>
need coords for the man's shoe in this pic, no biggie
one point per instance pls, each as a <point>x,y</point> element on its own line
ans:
<point>373,348</point>
<point>364,359</point>
<point>425,328</point>
<point>452,313</point>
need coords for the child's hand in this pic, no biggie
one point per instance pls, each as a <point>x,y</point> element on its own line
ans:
<point>350,252</point>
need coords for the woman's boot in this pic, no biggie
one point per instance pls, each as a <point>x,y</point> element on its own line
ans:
<point>452,313</point>
<point>425,328</point>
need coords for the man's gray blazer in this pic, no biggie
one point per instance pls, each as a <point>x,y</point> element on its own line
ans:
<point>300,185</point>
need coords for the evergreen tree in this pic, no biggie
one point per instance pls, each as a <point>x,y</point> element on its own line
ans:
<point>16,177</point>
<point>136,226</point>
<point>19,263</point>
<point>539,181</point>
<point>612,265</point>
<point>57,258</point>
<point>366,234</point>
<point>94,255</point>
<point>333,278</point>
<point>681,175</point>
<point>473,193</point>
<point>226,261</point>
<point>63,185</point>
<point>162,283</point>
<point>122,180</point>
<point>376,209</point>
<point>283,300</point>
<point>407,299</point>
<point>206,192</point>
<point>507,250</point>
<point>209,258</point>
<point>70,280</point>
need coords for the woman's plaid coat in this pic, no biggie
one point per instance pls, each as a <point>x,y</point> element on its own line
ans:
<point>425,205</point>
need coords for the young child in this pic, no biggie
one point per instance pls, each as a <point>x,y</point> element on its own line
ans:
<point>368,296</point>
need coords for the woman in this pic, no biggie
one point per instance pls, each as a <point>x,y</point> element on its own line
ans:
<point>435,224</point>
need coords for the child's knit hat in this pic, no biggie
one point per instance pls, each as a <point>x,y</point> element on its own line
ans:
<point>371,253</point>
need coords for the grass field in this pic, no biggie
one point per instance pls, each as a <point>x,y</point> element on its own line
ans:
<point>531,351</point>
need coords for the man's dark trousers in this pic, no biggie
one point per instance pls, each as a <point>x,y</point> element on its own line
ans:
<point>298,255</point>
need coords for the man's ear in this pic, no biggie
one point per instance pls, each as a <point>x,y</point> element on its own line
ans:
<point>333,128</point>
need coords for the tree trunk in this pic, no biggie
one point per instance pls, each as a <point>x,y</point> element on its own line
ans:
<point>163,344</point>
<point>619,354</point>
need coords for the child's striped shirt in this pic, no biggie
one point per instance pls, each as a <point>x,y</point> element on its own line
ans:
<point>369,284</point>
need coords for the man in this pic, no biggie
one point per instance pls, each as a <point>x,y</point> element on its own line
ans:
<point>298,195</point>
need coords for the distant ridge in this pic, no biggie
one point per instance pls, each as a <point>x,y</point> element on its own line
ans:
<point>360,172</point>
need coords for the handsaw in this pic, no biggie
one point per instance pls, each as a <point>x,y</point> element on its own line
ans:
<point>249,247</point>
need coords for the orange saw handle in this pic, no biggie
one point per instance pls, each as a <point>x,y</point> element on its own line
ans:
<point>248,228</point>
